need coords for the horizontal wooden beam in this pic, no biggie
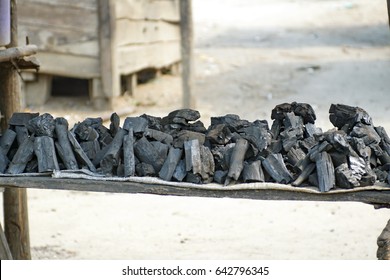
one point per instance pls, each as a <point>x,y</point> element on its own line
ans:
<point>375,197</point>
<point>17,52</point>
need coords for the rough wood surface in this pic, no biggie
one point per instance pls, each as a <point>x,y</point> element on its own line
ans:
<point>17,52</point>
<point>369,196</point>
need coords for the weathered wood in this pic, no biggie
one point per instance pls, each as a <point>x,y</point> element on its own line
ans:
<point>148,10</point>
<point>107,43</point>
<point>68,158</point>
<point>17,52</point>
<point>16,225</point>
<point>237,160</point>
<point>23,155</point>
<point>366,196</point>
<point>170,164</point>
<point>186,31</point>
<point>128,154</point>
<point>383,242</point>
<point>46,154</point>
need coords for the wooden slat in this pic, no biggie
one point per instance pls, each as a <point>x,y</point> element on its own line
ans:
<point>87,4</point>
<point>69,65</point>
<point>148,9</point>
<point>142,31</point>
<point>135,58</point>
<point>64,17</point>
<point>370,196</point>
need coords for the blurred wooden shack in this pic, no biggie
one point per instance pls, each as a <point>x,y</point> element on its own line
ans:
<point>97,46</point>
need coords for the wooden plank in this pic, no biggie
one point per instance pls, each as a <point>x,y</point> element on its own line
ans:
<point>82,18</point>
<point>68,65</point>
<point>369,196</point>
<point>17,52</point>
<point>87,4</point>
<point>148,9</point>
<point>144,32</point>
<point>15,201</point>
<point>138,57</point>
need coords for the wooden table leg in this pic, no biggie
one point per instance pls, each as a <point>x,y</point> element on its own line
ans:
<point>383,252</point>
<point>5,253</point>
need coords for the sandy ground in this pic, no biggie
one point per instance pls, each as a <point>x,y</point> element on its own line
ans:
<point>250,56</point>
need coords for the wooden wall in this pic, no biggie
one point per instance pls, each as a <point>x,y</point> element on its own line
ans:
<point>148,34</point>
<point>66,34</point>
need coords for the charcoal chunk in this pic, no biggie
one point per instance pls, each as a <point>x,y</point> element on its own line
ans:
<point>137,123</point>
<point>253,172</point>
<point>275,167</point>
<point>170,164</point>
<point>21,119</point>
<point>347,116</point>
<point>325,172</point>
<point>42,125</point>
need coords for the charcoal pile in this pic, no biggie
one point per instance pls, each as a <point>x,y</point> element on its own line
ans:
<point>178,147</point>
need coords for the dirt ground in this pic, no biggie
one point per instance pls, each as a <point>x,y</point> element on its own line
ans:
<point>250,56</point>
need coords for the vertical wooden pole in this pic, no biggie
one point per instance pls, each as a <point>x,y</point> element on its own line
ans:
<point>108,50</point>
<point>388,11</point>
<point>186,32</point>
<point>15,200</point>
<point>383,241</point>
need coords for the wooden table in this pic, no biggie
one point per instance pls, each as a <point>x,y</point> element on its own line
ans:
<point>379,198</point>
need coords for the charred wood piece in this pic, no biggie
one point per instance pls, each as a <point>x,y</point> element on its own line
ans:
<point>114,125</point>
<point>4,161</point>
<point>21,119</point>
<point>208,165</point>
<point>347,116</point>
<point>145,169</point>
<point>86,132</point>
<point>311,130</point>
<point>233,122</point>
<point>258,136</point>
<point>295,155</point>
<point>275,167</point>
<point>153,122</point>
<point>90,148</point>
<point>22,157</point>
<point>46,154</point>
<point>237,160</point>
<point>367,133</point>
<point>6,141</point>
<point>304,175</point>
<point>111,158</point>
<point>253,172</point>
<point>345,178</point>
<point>128,154</point>
<point>219,134</point>
<point>138,125</point>
<point>68,157</point>
<point>159,136</point>
<point>182,116</point>
<point>80,154</point>
<point>185,135</point>
<point>42,125</point>
<point>180,171</point>
<point>192,156</point>
<point>170,164</point>
<point>147,153</point>
<point>21,134</point>
<point>325,172</point>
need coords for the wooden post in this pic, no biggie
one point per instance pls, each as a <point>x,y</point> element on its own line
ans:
<point>388,10</point>
<point>15,200</point>
<point>107,49</point>
<point>186,32</point>
<point>383,241</point>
